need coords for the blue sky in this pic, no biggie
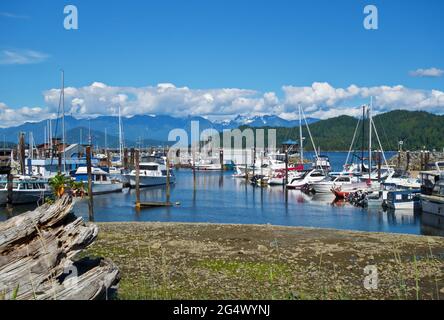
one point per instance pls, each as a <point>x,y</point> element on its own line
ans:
<point>256,47</point>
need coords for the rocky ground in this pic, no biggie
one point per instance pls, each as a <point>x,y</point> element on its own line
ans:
<point>210,261</point>
<point>415,159</point>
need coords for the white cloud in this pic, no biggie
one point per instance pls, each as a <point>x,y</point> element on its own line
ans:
<point>320,100</point>
<point>22,57</point>
<point>323,100</point>
<point>430,72</point>
<point>12,117</point>
<point>165,98</point>
<point>13,15</point>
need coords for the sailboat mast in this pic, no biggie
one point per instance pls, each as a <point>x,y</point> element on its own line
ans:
<point>120,136</point>
<point>370,139</point>
<point>363,138</point>
<point>63,121</point>
<point>301,139</point>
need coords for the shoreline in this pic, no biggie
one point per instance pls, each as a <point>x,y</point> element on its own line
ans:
<point>173,260</point>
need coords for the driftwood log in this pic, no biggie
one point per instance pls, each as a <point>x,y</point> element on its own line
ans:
<point>38,256</point>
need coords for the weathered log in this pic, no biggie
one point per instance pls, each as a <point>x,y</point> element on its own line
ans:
<point>38,251</point>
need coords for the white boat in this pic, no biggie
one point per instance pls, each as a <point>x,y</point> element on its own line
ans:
<point>434,203</point>
<point>322,162</point>
<point>311,176</point>
<point>150,174</point>
<point>326,185</point>
<point>101,181</point>
<point>26,190</point>
<point>401,180</point>
<point>403,199</point>
<point>208,165</point>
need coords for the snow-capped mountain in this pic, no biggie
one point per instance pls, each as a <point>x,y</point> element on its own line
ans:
<point>139,127</point>
<point>262,121</point>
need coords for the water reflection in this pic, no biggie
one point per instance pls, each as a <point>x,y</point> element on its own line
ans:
<point>220,198</point>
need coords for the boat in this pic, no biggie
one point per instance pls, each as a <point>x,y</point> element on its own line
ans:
<point>434,202</point>
<point>151,174</point>
<point>25,190</point>
<point>101,181</point>
<point>311,176</point>
<point>329,183</point>
<point>278,176</point>
<point>343,191</point>
<point>403,199</point>
<point>322,162</point>
<point>208,165</point>
<point>401,180</point>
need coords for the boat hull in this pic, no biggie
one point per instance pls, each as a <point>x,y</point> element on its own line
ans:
<point>150,181</point>
<point>432,204</point>
<point>99,188</point>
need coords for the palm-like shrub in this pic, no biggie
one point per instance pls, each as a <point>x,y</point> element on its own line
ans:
<point>58,184</point>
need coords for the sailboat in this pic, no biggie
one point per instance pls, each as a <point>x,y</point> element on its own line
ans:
<point>370,178</point>
<point>321,164</point>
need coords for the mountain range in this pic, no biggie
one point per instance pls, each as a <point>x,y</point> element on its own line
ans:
<point>417,129</point>
<point>139,129</point>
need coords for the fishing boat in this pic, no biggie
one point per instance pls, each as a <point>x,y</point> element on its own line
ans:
<point>311,176</point>
<point>101,181</point>
<point>151,174</point>
<point>434,202</point>
<point>25,190</point>
<point>403,199</point>
<point>329,183</point>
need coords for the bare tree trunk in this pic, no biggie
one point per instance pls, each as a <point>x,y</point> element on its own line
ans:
<point>37,256</point>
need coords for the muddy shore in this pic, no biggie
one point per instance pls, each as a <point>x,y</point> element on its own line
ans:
<point>213,261</point>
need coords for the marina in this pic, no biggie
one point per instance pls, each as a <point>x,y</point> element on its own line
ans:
<point>223,154</point>
<point>249,204</point>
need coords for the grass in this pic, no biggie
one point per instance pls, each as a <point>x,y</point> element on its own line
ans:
<point>174,261</point>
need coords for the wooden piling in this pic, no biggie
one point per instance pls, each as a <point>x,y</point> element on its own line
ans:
<point>125,158</point>
<point>167,180</point>
<point>194,168</point>
<point>9,195</point>
<point>90,187</point>
<point>59,162</point>
<point>286,167</point>
<point>221,159</point>
<point>131,158</point>
<point>137,168</point>
<point>408,161</point>
<point>108,158</point>
<point>379,165</point>
<point>22,153</point>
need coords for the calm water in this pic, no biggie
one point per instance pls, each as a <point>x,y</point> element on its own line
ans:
<point>219,198</point>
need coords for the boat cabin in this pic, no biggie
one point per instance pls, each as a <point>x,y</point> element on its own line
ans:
<point>97,174</point>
